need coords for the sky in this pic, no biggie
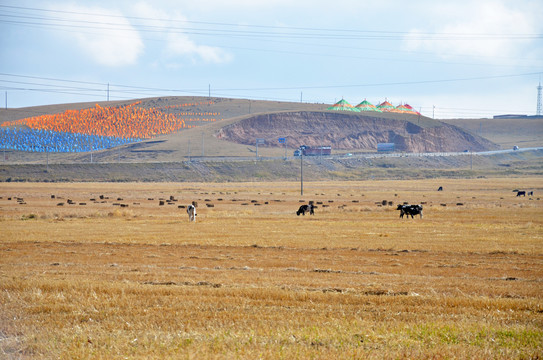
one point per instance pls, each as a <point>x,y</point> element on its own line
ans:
<point>462,58</point>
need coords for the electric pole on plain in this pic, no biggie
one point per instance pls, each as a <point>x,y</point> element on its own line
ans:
<point>302,174</point>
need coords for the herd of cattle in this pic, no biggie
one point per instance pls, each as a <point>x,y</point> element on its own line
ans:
<point>405,209</point>
<point>310,208</point>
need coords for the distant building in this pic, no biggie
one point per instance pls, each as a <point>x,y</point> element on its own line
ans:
<point>385,147</point>
<point>517,116</point>
<point>510,116</point>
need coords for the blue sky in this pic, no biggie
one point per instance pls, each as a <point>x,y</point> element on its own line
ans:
<point>447,59</point>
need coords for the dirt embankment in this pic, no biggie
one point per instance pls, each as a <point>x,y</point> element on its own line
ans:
<point>351,132</point>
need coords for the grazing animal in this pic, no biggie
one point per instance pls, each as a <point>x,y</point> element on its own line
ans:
<point>305,208</point>
<point>410,210</point>
<point>191,210</point>
<point>530,193</point>
<point>521,193</point>
<point>440,188</point>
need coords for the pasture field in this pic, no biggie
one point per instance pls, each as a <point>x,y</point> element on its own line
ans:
<point>112,274</point>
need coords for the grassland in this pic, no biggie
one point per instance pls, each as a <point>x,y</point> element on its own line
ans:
<point>523,132</point>
<point>121,276</point>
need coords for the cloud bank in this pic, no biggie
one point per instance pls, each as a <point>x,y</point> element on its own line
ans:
<point>489,30</point>
<point>104,35</point>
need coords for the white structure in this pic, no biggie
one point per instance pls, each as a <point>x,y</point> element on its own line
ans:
<point>538,111</point>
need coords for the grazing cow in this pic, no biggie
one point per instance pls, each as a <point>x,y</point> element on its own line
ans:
<point>410,210</point>
<point>402,208</point>
<point>191,210</point>
<point>440,188</point>
<point>530,193</point>
<point>521,193</point>
<point>305,208</point>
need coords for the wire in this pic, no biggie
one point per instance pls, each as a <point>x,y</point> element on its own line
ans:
<point>337,86</point>
<point>279,32</point>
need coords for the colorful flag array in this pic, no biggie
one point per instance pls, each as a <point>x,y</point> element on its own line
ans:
<point>99,127</point>
<point>124,122</point>
<point>25,139</point>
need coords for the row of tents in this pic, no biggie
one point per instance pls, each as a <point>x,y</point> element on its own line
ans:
<point>385,106</point>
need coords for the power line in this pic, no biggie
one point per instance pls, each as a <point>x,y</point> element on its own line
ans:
<point>278,31</point>
<point>56,85</point>
<point>396,83</point>
<point>273,34</point>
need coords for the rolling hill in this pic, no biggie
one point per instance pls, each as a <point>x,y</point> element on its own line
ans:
<point>220,127</point>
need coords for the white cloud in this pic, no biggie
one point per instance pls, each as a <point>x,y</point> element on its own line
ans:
<point>482,29</point>
<point>178,44</point>
<point>109,38</point>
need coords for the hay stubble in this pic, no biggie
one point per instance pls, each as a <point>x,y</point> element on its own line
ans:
<point>253,281</point>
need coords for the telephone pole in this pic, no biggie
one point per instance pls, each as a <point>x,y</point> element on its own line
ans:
<point>302,174</point>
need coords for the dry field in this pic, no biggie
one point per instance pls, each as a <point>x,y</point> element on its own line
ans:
<point>124,277</point>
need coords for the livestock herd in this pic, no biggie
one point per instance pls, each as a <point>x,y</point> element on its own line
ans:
<point>405,209</point>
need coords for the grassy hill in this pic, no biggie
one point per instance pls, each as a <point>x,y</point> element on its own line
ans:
<point>523,132</point>
<point>166,158</point>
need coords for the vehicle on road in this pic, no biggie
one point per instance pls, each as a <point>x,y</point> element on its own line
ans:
<point>313,151</point>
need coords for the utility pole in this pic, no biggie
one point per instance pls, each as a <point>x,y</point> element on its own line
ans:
<point>107,91</point>
<point>209,91</point>
<point>302,174</point>
<point>6,100</point>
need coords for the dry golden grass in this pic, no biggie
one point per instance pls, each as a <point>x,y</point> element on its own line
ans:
<point>256,281</point>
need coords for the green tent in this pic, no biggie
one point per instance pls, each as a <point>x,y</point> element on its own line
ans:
<point>343,105</point>
<point>366,106</point>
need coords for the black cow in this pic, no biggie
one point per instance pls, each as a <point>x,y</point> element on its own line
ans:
<point>440,188</point>
<point>410,210</point>
<point>521,193</point>
<point>305,208</point>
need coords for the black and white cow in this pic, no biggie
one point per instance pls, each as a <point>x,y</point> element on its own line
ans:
<point>410,210</point>
<point>530,193</point>
<point>306,208</point>
<point>191,210</point>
